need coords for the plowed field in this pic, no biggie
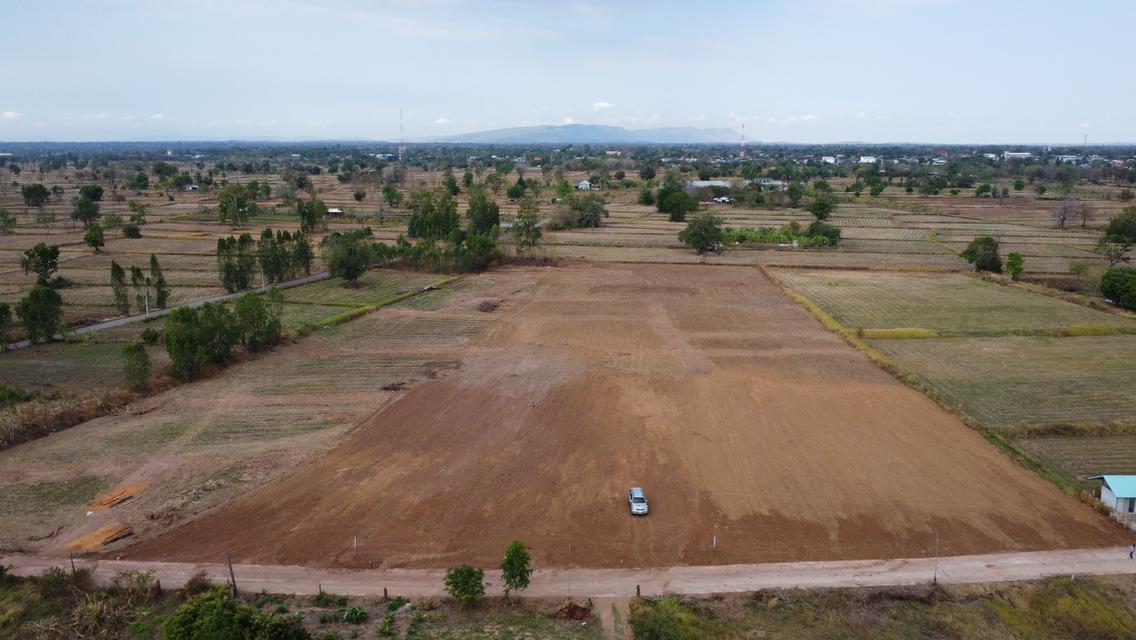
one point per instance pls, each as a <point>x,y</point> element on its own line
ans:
<point>740,415</point>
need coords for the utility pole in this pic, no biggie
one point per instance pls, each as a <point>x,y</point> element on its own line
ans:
<point>935,578</point>
<point>232,576</point>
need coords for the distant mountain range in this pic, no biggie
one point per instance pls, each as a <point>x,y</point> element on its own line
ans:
<point>593,134</point>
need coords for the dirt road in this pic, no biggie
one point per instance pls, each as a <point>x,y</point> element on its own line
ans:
<point>758,435</point>
<point>618,583</point>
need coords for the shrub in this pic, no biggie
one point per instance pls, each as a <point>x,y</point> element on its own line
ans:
<point>819,229</point>
<point>355,615</point>
<point>647,197</point>
<point>666,618</point>
<point>822,207</point>
<point>135,365</point>
<point>132,231</point>
<point>215,614</point>
<point>465,584</point>
<point>1015,264</point>
<point>195,337</point>
<point>325,599</point>
<point>150,336</point>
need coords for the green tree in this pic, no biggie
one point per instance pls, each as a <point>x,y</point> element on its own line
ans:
<point>313,215</point>
<point>92,192</point>
<point>483,213</point>
<point>526,229</point>
<point>1015,264</point>
<point>35,195</point>
<point>118,288</point>
<point>433,215</point>
<point>236,262</point>
<point>1125,195</point>
<point>673,200</point>
<point>1019,185</point>
<point>588,210</point>
<point>346,255</point>
<point>646,197</point>
<point>258,318</point>
<point>1119,236</point>
<point>516,568</point>
<point>359,195</point>
<point>794,192</point>
<point>138,211</point>
<point>136,365</point>
<point>5,325</point>
<point>41,260</point>
<point>1118,284</point>
<point>703,233</point>
<point>465,584</point>
<point>7,221</point>
<point>982,252</point>
<point>86,211</point>
<point>161,289</point>
<point>94,237</point>
<point>392,196</point>
<point>823,206</point>
<point>141,285</point>
<point>235,206</point>
<point>41,313</point>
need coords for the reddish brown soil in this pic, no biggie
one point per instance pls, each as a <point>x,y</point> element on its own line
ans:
<point>739,414</point>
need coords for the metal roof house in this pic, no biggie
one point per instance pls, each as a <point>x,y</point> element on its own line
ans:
<point>1118,492</point>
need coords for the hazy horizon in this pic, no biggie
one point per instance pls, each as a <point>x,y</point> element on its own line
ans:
<point>808,72</point>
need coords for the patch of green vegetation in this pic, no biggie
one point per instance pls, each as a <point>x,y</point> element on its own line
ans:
<point>150,437</point>
<point>1054,609</point>
<point>41,497</point>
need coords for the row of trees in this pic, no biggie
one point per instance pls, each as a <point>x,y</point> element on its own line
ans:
<point>143,286</point>
<point>279,256</point>
<point>467,584</point>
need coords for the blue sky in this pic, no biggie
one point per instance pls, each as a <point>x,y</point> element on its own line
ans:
<point>951,71</point>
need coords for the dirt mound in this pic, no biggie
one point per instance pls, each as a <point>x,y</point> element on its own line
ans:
<point>757,435</point>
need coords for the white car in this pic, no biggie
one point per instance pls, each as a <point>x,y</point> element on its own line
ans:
<point>722,199</point>
<point>637,500</point>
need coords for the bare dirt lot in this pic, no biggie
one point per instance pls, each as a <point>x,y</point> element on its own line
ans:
<point>741,416</point>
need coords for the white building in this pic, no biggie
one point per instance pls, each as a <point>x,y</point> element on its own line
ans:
<point>334,212</point>
<point>828,159</point>
<point>702,184</point>
<point>868,160</point>
<point>583,185</point>
<point>1016,155</point>
<point>1118,492</point>
<point>770,183</point>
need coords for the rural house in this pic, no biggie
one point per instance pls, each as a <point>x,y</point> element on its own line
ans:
<point>1118,492</point>
<point>583,185</point>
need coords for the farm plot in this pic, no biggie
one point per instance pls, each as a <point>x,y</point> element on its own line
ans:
<point>742,417</point>
<point>1085,456</point>
<point>949,304</point>
<point>1029,381</point>
<point>201,444</point>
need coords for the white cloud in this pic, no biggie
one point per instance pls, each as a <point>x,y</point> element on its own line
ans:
<point>94,116</point>
<point>442,120</point>
<point>598,106</point>
<point>157,116</point>
<point>9,115</point>
<point>567,121</point>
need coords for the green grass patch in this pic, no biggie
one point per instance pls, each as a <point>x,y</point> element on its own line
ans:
<point>898,333</point>
<point>39,497</point>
